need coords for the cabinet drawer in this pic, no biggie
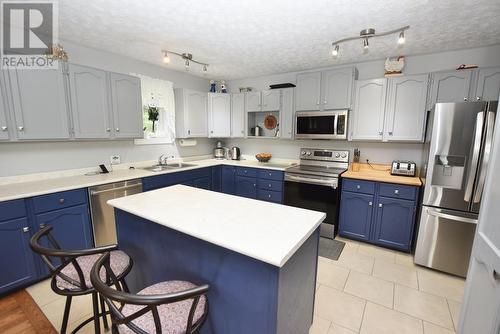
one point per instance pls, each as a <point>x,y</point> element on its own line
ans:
<point>270,185</point>
<point>12,209</point>
<point>59,200</point>
<point>270,174</point>
<point>358,186</point>
<point>249,172</point>
<point>270,196</point>
<point>397,191</point>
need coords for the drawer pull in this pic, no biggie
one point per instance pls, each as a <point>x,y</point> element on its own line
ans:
<point>117,129</point>
<point>496,275</point>
<point>269,195</point>
<point>396,191</point>
<point>358,187</point>
<point>270,185</point>
<point>4,128</point>
<point>26,229</point>
<point>42,225</point>
<point>21,128</point>
<point>370,203</point>
<point>108,130</point>
<point>61,200</point>
<point>380,205</point>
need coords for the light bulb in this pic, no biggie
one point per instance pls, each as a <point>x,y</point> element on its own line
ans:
<point>166,58</point>
<point>401,39</point>
<point>187,65</point>
<point>335,51</point>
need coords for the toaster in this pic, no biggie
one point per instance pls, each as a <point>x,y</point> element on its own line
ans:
<point>403,168</point>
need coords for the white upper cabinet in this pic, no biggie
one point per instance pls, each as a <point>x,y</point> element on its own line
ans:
<point>126,105</point>
<point>190,113</point>
<point>4,127</point>
<point>238,115</point>
<point>270,100</point>
<point>40,106</point>
<point>253,101</point>
<point>450,86</point>
<point>90,102</point>
<point>367,118</point>
<point>406,108</point>
<point>308,91</point>
<point>286,113</point>
<point>337,88</point>
<point>488,84</point>
<point>219,114</point>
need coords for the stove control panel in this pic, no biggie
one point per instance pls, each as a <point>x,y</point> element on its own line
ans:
<point>324,154</point>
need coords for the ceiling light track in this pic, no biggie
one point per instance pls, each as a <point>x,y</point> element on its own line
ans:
<point>188,57</point>
<point>366,34</point>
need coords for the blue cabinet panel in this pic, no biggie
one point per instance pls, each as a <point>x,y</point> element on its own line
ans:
<point>216,178</point>
<point>12,209</point>
<point>244,171</point>
<point>398,191</point>
<point>394,223</point>
<point>17,259</point>
<point>358,186</point>
<point>270,185</point>
<point>228,175</point>
<point>270,196</point>
<point>203,183</point>
<point>270,174</point>
<point>59,200</point>
<point>169,179</point>
<point>246,186</point>
<point>355,215</point>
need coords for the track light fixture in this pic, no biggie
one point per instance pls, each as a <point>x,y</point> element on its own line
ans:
<point>366,34</point>
<point>188,57</point>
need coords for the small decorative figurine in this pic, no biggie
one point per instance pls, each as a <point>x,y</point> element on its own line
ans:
<point>212,86</point>
<point>223,87</point>
<point>394,66</point>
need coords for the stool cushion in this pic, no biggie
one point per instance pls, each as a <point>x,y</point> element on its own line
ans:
<point>119,263</point>
<point>173,316</point>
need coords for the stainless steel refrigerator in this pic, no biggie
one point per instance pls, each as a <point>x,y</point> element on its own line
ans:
<point>456,154</point>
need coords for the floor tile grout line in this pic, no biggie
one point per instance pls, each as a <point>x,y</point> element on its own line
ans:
<point>347,278</point>
<point>451,314</point>
<point>362,316</point>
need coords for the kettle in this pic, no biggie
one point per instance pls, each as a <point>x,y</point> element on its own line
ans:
<point>235,153</point>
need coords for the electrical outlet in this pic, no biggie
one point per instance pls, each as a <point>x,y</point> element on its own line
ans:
<point>115,159</point>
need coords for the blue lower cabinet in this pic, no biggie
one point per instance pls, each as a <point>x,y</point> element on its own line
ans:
<point>384,215</point>
<point>270,196</point>
<point>17,259</point>
<point>246,186</point>
<point>203,183</point>
<point>356,212</point>
<point>394,223</point>
<point>228,178</point>
<point>182,177</point>
<point>216,178</point>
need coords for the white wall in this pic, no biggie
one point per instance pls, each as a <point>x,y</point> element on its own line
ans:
<point>376,152</point>
<point>24,158</point>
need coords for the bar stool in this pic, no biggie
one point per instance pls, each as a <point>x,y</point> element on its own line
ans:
<point>173,307</point>
<point>70,272</point>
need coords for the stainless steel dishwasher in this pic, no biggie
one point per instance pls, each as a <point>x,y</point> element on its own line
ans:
<point>103,215</point>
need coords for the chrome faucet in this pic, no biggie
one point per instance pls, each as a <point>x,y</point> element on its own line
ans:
<point>163,160</point>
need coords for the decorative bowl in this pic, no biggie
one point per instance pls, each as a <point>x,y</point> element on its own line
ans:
<point>263,157</point>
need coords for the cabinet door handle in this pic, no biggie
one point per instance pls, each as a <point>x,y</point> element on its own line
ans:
<point>212,131</point>
<point>254,185</point>
<point>466,99</point>
<point>269,195</point>
<point>358,187</point>
<point>396,191</point>
<point>380,133</point>
<point>4,128</point>
<point>390,133</point>
<point>108,130</point>
<point>26,229</point>
<point>496,275</point>
<point>324,102</point>
<point>42,225</point>
<point>478,98</point>
<point>61,200</point>
<point>117,129</point>
<point>317,103</point>
<point>370,203</point>
<point>380,205</point>
<point>21,128</point>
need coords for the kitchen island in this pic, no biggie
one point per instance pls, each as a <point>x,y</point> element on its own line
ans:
<point>259,258</point>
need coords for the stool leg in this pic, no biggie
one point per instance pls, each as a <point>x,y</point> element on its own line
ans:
<point>95,303</point>
<point>103,310</point>
<point>66,315</point>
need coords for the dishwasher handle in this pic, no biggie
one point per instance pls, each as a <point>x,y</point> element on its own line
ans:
<point>132,186</point>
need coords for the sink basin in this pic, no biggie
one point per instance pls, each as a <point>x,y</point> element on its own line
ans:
<point>160,168</point>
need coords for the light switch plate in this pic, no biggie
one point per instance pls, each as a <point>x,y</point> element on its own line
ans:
<point>115,159</point>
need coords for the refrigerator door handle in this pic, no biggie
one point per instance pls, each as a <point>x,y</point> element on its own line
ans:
<point>475,156</point>
<point>490,121</point>
<point>451,217</point>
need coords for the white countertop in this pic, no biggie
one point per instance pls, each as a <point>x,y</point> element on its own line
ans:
<point>264,231</point>
<point>46,183</point>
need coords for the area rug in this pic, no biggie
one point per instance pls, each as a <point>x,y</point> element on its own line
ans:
<point>20,314</point>
<point>330,248</point>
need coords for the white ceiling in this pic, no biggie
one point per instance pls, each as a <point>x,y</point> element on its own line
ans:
<point>242,38</point>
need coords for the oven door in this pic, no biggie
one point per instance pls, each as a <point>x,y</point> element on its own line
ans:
<point>314,193</point>
<point>321,124</point>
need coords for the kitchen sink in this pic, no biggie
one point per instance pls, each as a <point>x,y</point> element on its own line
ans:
<point>160,168</point>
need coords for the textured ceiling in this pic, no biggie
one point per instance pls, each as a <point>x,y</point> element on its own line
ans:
<point>242,38</point>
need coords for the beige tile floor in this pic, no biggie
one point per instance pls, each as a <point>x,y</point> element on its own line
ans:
<point>368,290</point>
<point>376,290</point>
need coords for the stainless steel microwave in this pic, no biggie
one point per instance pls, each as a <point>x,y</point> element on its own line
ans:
<point>321,124</point>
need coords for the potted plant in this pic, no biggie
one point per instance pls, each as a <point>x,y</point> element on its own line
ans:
<point>153,113</point>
